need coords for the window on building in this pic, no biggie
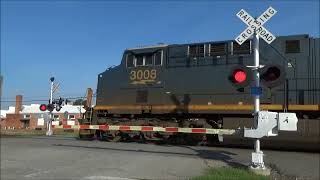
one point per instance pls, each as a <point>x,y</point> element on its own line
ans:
<point>292,46</point>
<point>71,116</point>
<point>217,49</point>
<point>196,50</point>
<point>130,60</point>
<point>244,48</point>
<point>27,116</point>
<point>149,60</point>
<point>139,60</point>
<point>55,116</point>
<point>158,58</point>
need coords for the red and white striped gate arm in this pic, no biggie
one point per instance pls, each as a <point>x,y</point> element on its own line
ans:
<point>150,129</point>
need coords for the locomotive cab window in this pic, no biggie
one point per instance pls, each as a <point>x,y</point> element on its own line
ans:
<point>292,46</point>
<point>158,58</point>
<point>244,48</point>
<point>139,60</point>
<point>217,49</point>
<point>148,60</point>
<point>196,50</point>
<point>130,60</point>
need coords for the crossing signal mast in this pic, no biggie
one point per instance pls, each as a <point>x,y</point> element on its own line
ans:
<point>265,123</point>
<point>53,104</point>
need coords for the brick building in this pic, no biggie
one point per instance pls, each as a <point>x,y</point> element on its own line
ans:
<point>30,117</point>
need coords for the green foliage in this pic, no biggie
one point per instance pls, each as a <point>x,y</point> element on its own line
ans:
<point>80,102</point>
<point>226,173</point>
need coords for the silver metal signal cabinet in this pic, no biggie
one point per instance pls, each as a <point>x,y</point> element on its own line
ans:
<point>266,123</point>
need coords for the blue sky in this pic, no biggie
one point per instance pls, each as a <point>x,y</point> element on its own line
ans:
<point>74,41</point>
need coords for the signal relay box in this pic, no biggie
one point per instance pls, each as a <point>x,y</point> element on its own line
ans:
<point>287,122</point>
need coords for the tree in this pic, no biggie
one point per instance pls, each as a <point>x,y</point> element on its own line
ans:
<point>80,102</point>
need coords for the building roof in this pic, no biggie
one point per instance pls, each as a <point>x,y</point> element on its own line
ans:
<point>34,109</point>
<point>9,111</point>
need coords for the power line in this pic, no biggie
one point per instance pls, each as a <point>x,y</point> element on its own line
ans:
<point>32,97</point>
<point>43,100</point>
<point>26,100</point>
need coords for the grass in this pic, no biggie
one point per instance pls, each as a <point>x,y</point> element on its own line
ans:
<point>228,173</point>
<point>31,132</point>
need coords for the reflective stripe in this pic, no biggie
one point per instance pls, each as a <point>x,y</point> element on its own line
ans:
<point>84,126</point>
<point>198,130</point>
<point>124,128</point>
<point>147,128</point>
<point>171,129</point>
<point>67,126</point>
<point>104,127</point>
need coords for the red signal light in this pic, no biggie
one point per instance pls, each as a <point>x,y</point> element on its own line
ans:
<point>43,107</point>
<point>239,76</point>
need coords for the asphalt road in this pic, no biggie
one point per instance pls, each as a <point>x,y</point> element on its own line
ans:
<point>68,158</point>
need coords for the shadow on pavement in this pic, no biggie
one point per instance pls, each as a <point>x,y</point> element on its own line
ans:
<point>223,156</point>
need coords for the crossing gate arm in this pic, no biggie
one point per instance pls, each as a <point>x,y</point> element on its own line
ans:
<point>152,129</point>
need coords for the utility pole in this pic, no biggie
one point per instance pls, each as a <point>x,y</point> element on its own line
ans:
<point>49,131</point>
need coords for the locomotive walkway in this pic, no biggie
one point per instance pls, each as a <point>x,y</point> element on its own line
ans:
<point>67,158</point>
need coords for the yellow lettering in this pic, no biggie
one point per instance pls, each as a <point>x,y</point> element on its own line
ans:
<point>139,74</point>
<point>146,74</point>
<point>133,75</point>
<point>143,75</point>
<point>153,74</point>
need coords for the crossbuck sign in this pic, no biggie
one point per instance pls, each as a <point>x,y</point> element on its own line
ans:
<point>255,25</point>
